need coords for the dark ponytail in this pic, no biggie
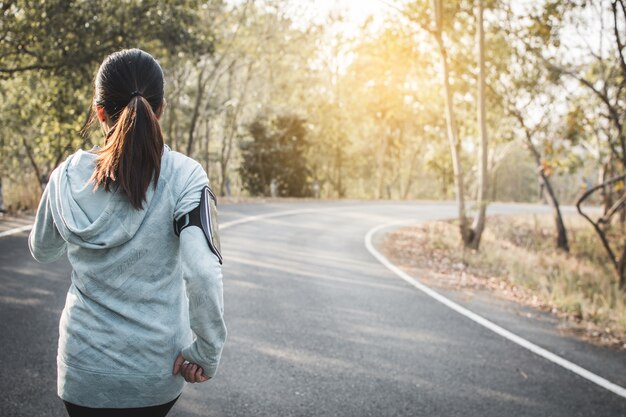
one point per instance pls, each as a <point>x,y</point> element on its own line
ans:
<point>129,86</point>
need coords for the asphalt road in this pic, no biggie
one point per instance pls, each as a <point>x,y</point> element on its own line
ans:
<point>318,327</point>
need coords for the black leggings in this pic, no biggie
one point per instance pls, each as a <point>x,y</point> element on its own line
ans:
<point>155,411</point>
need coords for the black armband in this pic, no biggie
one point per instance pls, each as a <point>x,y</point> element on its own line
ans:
<point>203,216</point>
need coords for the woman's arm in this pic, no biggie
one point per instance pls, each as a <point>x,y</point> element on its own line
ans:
<point>203,277</point>
<point>45,241</point>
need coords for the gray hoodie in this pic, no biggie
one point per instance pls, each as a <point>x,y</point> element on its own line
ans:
<point>137,290</point>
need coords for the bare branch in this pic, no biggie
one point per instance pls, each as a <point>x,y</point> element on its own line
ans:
<point>596,224</point>
<point>618,205</point>
<point>618,39</point>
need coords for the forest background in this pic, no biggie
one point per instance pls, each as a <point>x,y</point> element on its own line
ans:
<point>473,100</point>
<point>270,101</point>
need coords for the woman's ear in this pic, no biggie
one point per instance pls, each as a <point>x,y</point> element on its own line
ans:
<point>102,115</point>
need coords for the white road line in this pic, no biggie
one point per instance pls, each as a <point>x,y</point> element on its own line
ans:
<point>596,379</point>
<point>16,230</point>
<point>248,219</point>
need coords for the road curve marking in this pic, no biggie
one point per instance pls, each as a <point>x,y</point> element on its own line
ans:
<point>248,219</point>
<point>570,366</point>
<point>16,230</point>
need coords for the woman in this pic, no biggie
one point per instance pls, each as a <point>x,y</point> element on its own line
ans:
<point>125,335</point>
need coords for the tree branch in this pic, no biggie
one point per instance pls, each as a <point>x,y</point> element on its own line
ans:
<point>596,225</point>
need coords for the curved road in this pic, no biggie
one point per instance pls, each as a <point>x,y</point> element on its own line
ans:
<point>318,327</point>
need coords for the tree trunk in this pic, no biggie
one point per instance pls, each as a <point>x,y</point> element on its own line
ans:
<point>338,183</point>
<point>483,179</point>
<point>548,192</point>
<point>604,191</point>
<point>494,186</point>
<point>2,210</point>
<point>207,144</point>
<point>31,158</point>
<point>381,167</point>
<point>409,179</point>
<point>200,87</point>
<point>561,232</point>
<point>452,130</point>
<point>621,269</point>
<point>230,123</point>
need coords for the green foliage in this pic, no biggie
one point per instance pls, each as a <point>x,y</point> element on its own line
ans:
<point>276,153</point>
<point>49,52</point>
<point>66,36</point>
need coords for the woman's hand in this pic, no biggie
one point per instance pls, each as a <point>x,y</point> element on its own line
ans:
<point>190,371</point>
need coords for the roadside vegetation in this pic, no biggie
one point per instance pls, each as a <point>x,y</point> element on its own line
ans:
<point>518,261</point>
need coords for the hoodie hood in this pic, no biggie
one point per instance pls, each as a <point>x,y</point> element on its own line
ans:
<point>91,218</point>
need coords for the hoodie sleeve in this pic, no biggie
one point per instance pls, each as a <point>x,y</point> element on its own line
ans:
<point>203,276</point>
<point>45,241</point>
<point>202,273</point>
<point>191,187</point>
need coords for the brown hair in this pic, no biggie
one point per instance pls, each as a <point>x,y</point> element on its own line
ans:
<point>129,86</point>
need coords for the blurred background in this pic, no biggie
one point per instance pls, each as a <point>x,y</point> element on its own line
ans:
<point>331,99</point>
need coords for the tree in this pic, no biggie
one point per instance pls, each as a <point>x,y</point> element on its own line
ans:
<point>603,75</point>
<point>258,66</point>
<point>483,178</point>
<point>438,21</point>
<point>529,94</point>
<point>275,153</point>
<point>453,130</point>
<point>387,81</point>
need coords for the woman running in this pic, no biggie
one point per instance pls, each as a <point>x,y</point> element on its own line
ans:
<point>139,226</point>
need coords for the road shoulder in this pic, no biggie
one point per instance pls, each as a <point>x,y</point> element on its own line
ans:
<point>532,324</point>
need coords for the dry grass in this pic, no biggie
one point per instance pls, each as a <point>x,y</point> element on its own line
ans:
<point>518,261</point>
<point>21,194</point>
